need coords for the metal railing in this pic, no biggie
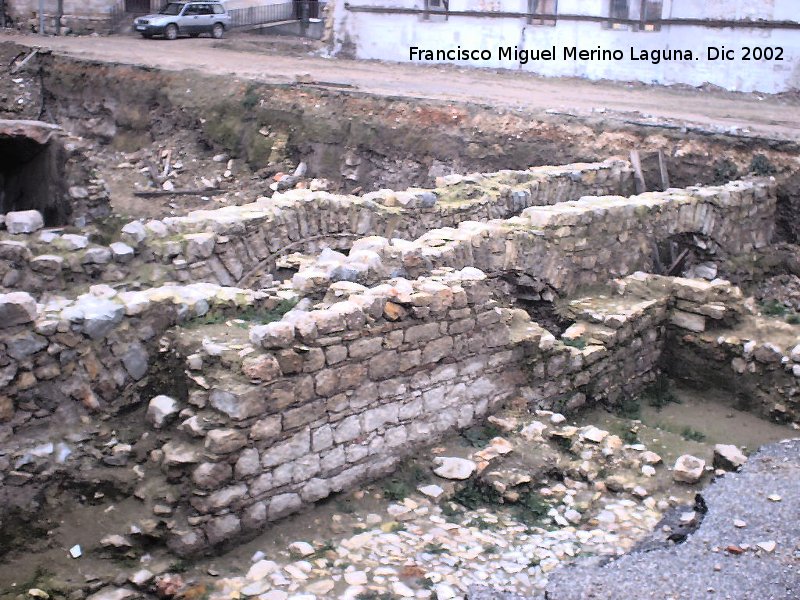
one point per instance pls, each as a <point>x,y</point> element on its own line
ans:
<point>299,10</point>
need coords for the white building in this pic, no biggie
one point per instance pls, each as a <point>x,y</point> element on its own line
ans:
<point>651,41</point>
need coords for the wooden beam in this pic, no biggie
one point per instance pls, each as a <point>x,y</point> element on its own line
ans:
<point>636,163</point>
<point>715,23</point>
<point>158,193</point>
<point>662,166</point>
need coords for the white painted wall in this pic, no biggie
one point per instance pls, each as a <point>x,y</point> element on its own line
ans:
<point>389,36</point>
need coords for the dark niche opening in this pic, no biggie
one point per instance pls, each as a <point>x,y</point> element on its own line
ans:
<point>32,163</point>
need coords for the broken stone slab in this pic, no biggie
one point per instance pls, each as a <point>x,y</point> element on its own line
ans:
<point>161,410</point>
<point>241,402</point>
<point>593,434</point>
<point>134,233</point>
<point>24,221</point>
<point>99,315</point>
<point>273,335</point>
<point>688,469</point>
<point>432,491</point>
<point>451,467</point>
<point>690,321</point>
<point>17,308</point>
<point>225,441</point>
<point>261,569</point>
<point>71,241</point>
<point>177,453</point>
<point>728,457</point>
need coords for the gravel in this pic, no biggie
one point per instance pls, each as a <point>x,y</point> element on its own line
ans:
<point>765,494</point>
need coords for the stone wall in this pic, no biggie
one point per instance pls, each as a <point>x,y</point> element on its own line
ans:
<point>259,415</point>
<point>572,244</point>
<point>94,348</point>
<point>715,340</point>
<point>335,396</point>
<point>237,245</point>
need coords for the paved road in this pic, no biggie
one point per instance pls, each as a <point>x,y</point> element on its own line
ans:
<point>770,116</point>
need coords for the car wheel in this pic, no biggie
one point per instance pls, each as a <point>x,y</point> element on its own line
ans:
<point>171,32</point>
<point>217,31</point>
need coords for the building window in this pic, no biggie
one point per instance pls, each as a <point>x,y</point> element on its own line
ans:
<point>619,9</point>
<point>646,12</point>
<point>651,11</point>
<point>542,7</point>
<point>432,7</point>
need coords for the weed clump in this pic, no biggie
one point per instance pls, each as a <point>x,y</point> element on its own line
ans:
<point>473,495</point>
<point>629,408</point>
<point>480,436</point>
<point>660,393</point>
<point>761,166</point>
<point>578,343</point>
<point>725,170</point>
<point>396,490</point>
<point>694,435</point>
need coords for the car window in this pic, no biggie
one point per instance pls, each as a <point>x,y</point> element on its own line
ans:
<point>192,9</point>
<point>205,9</point>
<point>173,9</point>
<point>218,10</point>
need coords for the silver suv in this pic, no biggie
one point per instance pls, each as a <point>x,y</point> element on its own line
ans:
<point>185,18</point>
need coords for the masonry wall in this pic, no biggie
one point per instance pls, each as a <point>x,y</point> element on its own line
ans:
<point>337,396</point>
<point>93,350</point>
<point>80,16</point>
<point>761,374</point>
<point>238,245</point>
<point>561,248</point>
<point>389,37</point>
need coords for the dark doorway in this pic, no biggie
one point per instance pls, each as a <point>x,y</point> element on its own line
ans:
<point>32,176</point>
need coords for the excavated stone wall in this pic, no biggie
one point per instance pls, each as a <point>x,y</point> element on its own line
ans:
<point>237,244</point>
<point>409,339</point>
<point>572,244</point>
<point>334,396</point>
<point>91,349</point>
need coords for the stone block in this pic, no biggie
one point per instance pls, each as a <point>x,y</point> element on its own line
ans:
<point>225,441</point>
<point>288,450</point>
<point>690,321</point>
<point>282,505</point>
<point>24,221</point>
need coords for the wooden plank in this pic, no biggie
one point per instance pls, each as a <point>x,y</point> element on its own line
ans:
<point>158,193</point>
<point>662,166</point>
<point>636,163</point>
<point>676,263</point>
<point>18,66</point>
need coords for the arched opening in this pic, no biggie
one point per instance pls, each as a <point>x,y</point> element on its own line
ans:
<point>32,171</point>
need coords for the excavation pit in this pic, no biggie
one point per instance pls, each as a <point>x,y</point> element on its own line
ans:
<point>224,357</point>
